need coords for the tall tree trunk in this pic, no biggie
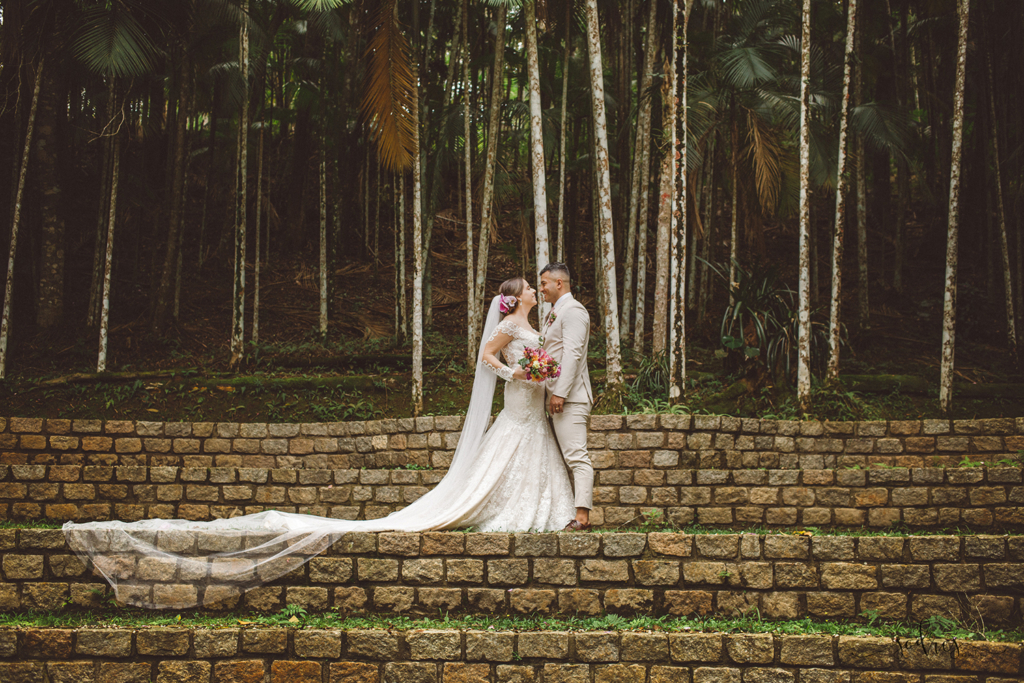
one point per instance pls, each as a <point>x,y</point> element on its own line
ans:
<point>562,134</point>
<point>96,284</point>
<point>641,157</point>
<point>953,219</point>
<point>5,320</point>
<point>402,301</point>
<point>323,235</point>
<point>490,163</point>
<point>164,293</point>
<point>467,133</point>
<point>50,298</point>
<point>803,382</point>
<point>1004,247</point>
<point>860,164</point>
<point>841,187</point>
<point>610,312</point>
<point>680,233</point>
<point>210,169</point>
<point>666,197</point>
<point>256,263</point>
<point>709,236</point>
<point>101,361</point>
<point>537,166</point>
<point>417,260</point>
<point>734,230</point>
<point>242,178</point>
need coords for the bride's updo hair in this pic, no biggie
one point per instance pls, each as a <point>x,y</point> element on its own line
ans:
<point>513,287</point>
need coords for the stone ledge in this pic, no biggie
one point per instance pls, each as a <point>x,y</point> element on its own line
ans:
<point>980,498</point>
<point>781,576</point>
<point>434,655</point>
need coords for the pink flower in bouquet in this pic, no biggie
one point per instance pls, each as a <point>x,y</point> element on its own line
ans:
<point>539,365</point>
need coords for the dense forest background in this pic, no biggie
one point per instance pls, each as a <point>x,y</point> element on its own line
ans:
<point>213,182</point>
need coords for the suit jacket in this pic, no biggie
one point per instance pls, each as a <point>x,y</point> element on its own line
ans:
<point>567,339</point>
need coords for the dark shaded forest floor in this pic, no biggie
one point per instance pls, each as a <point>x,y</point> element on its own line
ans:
<point>359,372</point>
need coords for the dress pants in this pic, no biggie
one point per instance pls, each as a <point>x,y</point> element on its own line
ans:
<point>571,430</point>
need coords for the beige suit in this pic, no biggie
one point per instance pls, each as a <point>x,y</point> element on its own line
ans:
<point>566,338</point>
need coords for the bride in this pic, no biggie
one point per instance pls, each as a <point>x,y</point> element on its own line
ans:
<point>509,477</point>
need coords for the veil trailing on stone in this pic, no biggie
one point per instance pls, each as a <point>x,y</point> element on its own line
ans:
<point>180,564</point>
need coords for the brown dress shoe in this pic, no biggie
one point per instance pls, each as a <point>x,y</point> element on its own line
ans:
<point>574,525</point>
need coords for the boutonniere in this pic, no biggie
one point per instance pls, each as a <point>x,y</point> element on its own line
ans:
<point>552,317</point>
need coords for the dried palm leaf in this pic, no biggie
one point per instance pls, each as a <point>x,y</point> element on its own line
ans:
<point>390,88</point>
<point>764,149</point>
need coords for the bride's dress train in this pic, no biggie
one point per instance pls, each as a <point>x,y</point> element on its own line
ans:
<point>510,477</point>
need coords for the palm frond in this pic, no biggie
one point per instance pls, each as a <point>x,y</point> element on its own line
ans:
<point>111,41</point>
<point>390,88</point>
<point>747,66</point>
<point>881,127</point>
<point>319,5</point>
<point>764,149</point>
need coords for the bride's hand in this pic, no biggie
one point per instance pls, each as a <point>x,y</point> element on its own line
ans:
<point>520,373</point>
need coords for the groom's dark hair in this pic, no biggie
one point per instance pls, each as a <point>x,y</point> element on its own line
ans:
<point>557,269</point>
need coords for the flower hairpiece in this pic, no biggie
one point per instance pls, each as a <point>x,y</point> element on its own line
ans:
<point>506,303</point>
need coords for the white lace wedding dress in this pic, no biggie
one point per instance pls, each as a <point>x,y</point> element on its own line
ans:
<point>509,477</point>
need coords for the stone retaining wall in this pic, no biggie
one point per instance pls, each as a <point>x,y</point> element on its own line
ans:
<point>634,441</point>
<point>977,497</point>
<point>969,578</point>
<point>259,655</point>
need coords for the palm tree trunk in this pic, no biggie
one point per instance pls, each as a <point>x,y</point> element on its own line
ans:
<point>417,260</point>
<point>1004,247</point>
<point>841,186</point>
<point>804,316</point>
<point>952,230</point>
<point>640,158</point>
<point>537,166</point>
<point>734,230</point>
<point>5,319</point>
<point>665,206</point>
<point>709,236</point>
<point>490,163</point>
<point>467,133</point>
<point>610,312</point>
<point>50,280</point>
<point>691,269</point>
<point>680,232</point>
<point>96,284</point>
<point>323,236</point>
<point>242,177</point>
<point>402,301</point>
<point>860,163</point>
<point>164,294</point>
<point>562,133</point>
<point>256,264</point>
<point>101,361</point>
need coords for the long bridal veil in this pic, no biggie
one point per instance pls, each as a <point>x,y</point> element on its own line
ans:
<point>179,564</point>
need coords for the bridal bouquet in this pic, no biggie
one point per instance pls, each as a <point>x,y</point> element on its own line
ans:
<point>539,365</point>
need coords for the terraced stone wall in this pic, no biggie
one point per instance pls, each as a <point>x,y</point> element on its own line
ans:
<point>709,470</point>
<point>260,655</point>
<point>634,441</point>
<point>969,579</point>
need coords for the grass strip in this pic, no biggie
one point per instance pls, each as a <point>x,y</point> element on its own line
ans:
<point>294,616</point>
<point>691,529</point>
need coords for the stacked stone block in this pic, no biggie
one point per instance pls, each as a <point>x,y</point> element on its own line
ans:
<point>259,655</point>
<point>972,578</point>
<point>680,469</point>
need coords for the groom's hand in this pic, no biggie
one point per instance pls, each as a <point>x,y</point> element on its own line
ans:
<point>556,404</point>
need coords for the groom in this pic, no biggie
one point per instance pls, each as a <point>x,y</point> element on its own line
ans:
<point>566,332</point>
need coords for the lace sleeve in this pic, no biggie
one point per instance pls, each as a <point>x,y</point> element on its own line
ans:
<point>504,372</point>
<point>504,327</point>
